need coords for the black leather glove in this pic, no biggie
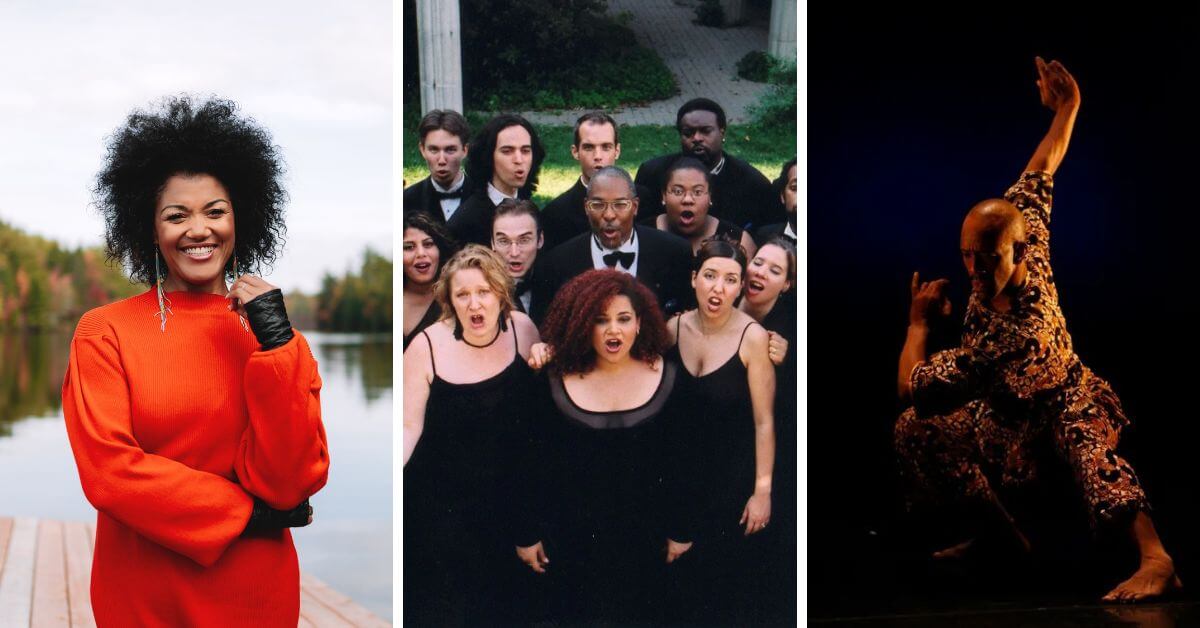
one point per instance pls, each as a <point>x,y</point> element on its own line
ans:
<point>269,320</point>
<point>263,518</point>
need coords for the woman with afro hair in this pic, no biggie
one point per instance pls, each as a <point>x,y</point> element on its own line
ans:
<point>603,501</point>
<point>193,409</point>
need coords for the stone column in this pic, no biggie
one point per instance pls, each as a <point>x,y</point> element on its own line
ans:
<point>439,38</point>
<point>781,41</point>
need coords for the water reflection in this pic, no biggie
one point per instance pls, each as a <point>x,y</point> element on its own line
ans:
<point>32,366</point>
<point>349,545</point>
<point>365,355</point>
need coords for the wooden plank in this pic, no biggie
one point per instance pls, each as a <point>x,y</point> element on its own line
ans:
<point>50,608</point>
<point>79,574</point>
<point>16,583</point>
<point>5,532</point>
<point>347,608</point>
<point>319,614</point>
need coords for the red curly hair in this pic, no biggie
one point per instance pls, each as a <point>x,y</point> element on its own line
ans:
<point>571,319</point>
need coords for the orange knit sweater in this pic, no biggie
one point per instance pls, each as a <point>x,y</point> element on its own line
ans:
<point>173,433</point>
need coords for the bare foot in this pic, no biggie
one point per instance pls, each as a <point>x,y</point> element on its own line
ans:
<point>955,552</point>
<point>1154,577</point>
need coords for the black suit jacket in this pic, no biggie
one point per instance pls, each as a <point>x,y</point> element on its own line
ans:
<point>472,221</point>
<point>770,231</point>
<point>664,265</point>
<point>420,197</point>
<point>535,279</point>
<point>740,194</point>
<point>564,217</point>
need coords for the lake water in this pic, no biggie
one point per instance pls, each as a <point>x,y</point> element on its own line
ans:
<point>349,544</point>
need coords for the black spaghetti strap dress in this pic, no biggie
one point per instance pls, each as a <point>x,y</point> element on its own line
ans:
<point>714,580</point>
<point>457,560</point>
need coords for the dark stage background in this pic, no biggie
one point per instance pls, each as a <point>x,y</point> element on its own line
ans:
<point>912,118</point>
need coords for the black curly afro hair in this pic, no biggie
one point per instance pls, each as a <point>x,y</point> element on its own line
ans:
<point>186,136</point>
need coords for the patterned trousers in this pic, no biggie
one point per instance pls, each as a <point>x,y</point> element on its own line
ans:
<point>955,458</point>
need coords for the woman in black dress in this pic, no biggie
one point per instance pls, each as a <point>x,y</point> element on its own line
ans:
<point>686,200</point>
<point>603,508</point>
<point>769,299</point>
<point>725,370</point>
<point>465,382</point>
<point>427,246</point>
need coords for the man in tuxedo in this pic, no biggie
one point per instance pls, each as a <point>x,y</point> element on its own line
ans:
<point>786,184</point>
<point>597,145</point>
<point>517,237</point>
<point>443,144</point>
<point>740,193</point>
<point>504,162</point>
<point>660,260</point>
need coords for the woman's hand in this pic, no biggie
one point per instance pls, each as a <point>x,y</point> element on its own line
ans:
<point>534,556</point>
<point>263,518</point>
<point>757,513</point>
<point>540,355</point>
<point>245,289</point>
<point>676,549</point>
<point>777,348</point>
<point>262,305</point>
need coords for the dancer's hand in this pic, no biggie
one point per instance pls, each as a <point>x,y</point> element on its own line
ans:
<point>777,348</point>
<point>540,355</point>
<point>534,556</point>
<point>757,513</point>
<point>1056,86</point>
<point>928,299</point>
<point>676,549</point>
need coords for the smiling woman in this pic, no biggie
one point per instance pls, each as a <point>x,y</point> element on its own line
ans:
<point>194,492</point>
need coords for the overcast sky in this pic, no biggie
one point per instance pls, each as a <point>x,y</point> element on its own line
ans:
<point>318,75</point>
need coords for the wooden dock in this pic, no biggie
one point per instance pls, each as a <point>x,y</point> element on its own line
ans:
<point>45,572</point>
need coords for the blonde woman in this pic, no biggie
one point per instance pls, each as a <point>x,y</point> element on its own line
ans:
<point>465,380</point>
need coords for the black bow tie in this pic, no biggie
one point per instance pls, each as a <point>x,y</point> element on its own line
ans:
<point>522,287</point>
<point>441,196</point>
<point>626,259</point>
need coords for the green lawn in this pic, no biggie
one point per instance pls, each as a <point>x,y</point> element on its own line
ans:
<point>766,149</point>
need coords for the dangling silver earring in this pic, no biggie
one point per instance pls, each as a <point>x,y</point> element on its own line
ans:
<point>164,304</point>
<point>235,275</point>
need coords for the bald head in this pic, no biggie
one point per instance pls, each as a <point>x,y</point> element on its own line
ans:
<point>619,174</point>
<point>995,220</point>
<point>993,247</point>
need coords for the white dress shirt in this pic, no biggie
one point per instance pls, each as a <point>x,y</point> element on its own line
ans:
<point>629,246</point>
<point>449,205</point>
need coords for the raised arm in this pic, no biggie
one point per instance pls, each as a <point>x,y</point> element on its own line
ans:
<point>927,298</point>
<point>283,457</point>
<point>1060,94</point>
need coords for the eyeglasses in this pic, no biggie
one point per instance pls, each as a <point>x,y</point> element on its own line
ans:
<point>597,206</point>
<point>680,192</point>
<point>523,242</point>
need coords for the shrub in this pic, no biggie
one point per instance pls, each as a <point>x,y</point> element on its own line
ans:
<point>778,105</point>
<point>755,66</point>
<point>710,13</point>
